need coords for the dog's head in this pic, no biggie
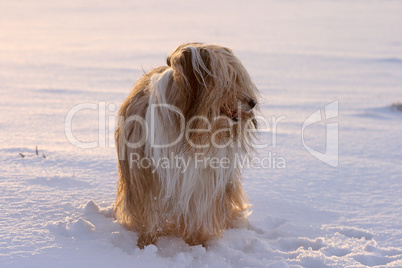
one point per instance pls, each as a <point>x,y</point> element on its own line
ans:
<point>209,83</point>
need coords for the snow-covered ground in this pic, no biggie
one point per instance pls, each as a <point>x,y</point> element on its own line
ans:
<point>303,55</point>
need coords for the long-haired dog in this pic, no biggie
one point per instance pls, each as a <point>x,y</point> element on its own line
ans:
<point>181,135</point>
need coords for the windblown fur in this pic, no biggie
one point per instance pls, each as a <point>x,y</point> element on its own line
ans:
<point>199,107</point>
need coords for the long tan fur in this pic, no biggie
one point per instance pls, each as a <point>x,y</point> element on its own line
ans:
<point>204,100</point>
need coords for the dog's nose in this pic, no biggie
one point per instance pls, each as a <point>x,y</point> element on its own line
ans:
<point>252,103</point>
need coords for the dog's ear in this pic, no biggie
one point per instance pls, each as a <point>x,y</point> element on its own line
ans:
<point>193,65</point>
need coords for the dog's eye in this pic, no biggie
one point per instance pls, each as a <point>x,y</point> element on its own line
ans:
<point>230,113</point>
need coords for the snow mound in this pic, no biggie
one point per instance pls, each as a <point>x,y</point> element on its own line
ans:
<point>270,242</point>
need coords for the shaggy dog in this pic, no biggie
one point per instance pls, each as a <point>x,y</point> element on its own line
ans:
<point>181,135</point>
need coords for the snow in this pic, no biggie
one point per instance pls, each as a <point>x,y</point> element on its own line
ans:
<point>56,207</point>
